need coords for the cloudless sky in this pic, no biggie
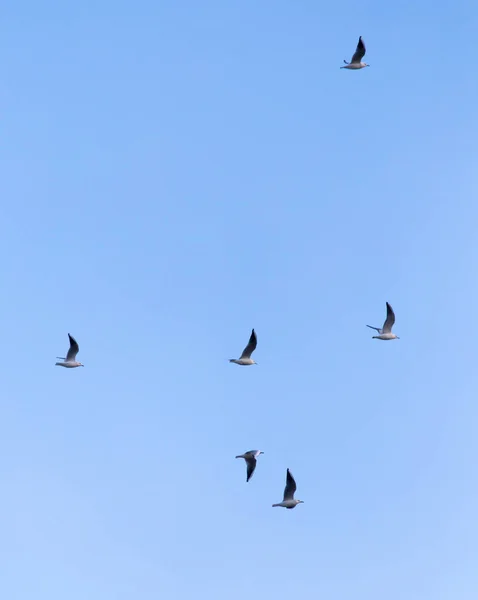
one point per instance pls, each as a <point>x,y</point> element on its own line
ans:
<point>175,173</point>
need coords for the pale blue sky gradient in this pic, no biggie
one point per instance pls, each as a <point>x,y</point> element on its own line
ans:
<point>174,174</point>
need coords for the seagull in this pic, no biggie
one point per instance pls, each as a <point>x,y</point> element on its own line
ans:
<point>289,491</point>
<point>70,361</point>
<point>356,62</point>
<point>250,457</point>
<point>246,353</point>
<point>386,332</point>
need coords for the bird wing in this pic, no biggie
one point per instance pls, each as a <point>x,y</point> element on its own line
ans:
<point>376,328</point>
<point>74,349</point>
<point>251,467</point>
<point>251,346</point>
<point>359,52</point>
<point>390,320</point>
<point>290,487</point>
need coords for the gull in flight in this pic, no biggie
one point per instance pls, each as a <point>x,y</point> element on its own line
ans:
<point>70,361</point>
<point>386,332</point>
<point>356,62</point>
<point>251,459</point>
<point>289,491</point>
<point>245,358</point>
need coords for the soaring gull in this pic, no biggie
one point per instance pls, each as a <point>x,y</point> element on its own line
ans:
<point>356,62</point>
<point>289,501</point>
<point>245,358</point>
<point>70,361</point>
<point>251,460</point>
<point>386,332</point>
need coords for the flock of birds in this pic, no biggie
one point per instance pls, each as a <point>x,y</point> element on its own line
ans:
<point>245,360</point>
<point>384,333</point>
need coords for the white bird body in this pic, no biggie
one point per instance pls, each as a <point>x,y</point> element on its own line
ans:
<point>288,503</point>
<point>245,358</point>
<point>385,336</point>
<point>385,333</point>
<point>356,62</point>
<point>68,365</point>
<point>243,361</point>
<point>290,487</point>
<point>353,66</point>
<point>70,361</point>
<point>251,460</point>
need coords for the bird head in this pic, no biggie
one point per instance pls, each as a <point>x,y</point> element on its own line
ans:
<point>254,362</point>
<point>366,65</point>
<point>300,502</point>
<point>81,365</point>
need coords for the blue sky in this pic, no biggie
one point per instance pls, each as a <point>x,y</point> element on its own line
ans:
<point>174,174</point>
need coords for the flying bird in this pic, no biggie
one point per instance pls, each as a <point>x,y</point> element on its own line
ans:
<point>245,358</point>
<point>356,62</point>
<point>289,491</point>
<point>70,361</point>
<point>251,460</point>
<point>386,332</point>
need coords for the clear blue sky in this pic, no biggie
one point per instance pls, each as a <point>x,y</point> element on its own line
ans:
<point>174,174</point>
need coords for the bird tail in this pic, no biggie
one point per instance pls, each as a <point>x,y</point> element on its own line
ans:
<point>232,360</point>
